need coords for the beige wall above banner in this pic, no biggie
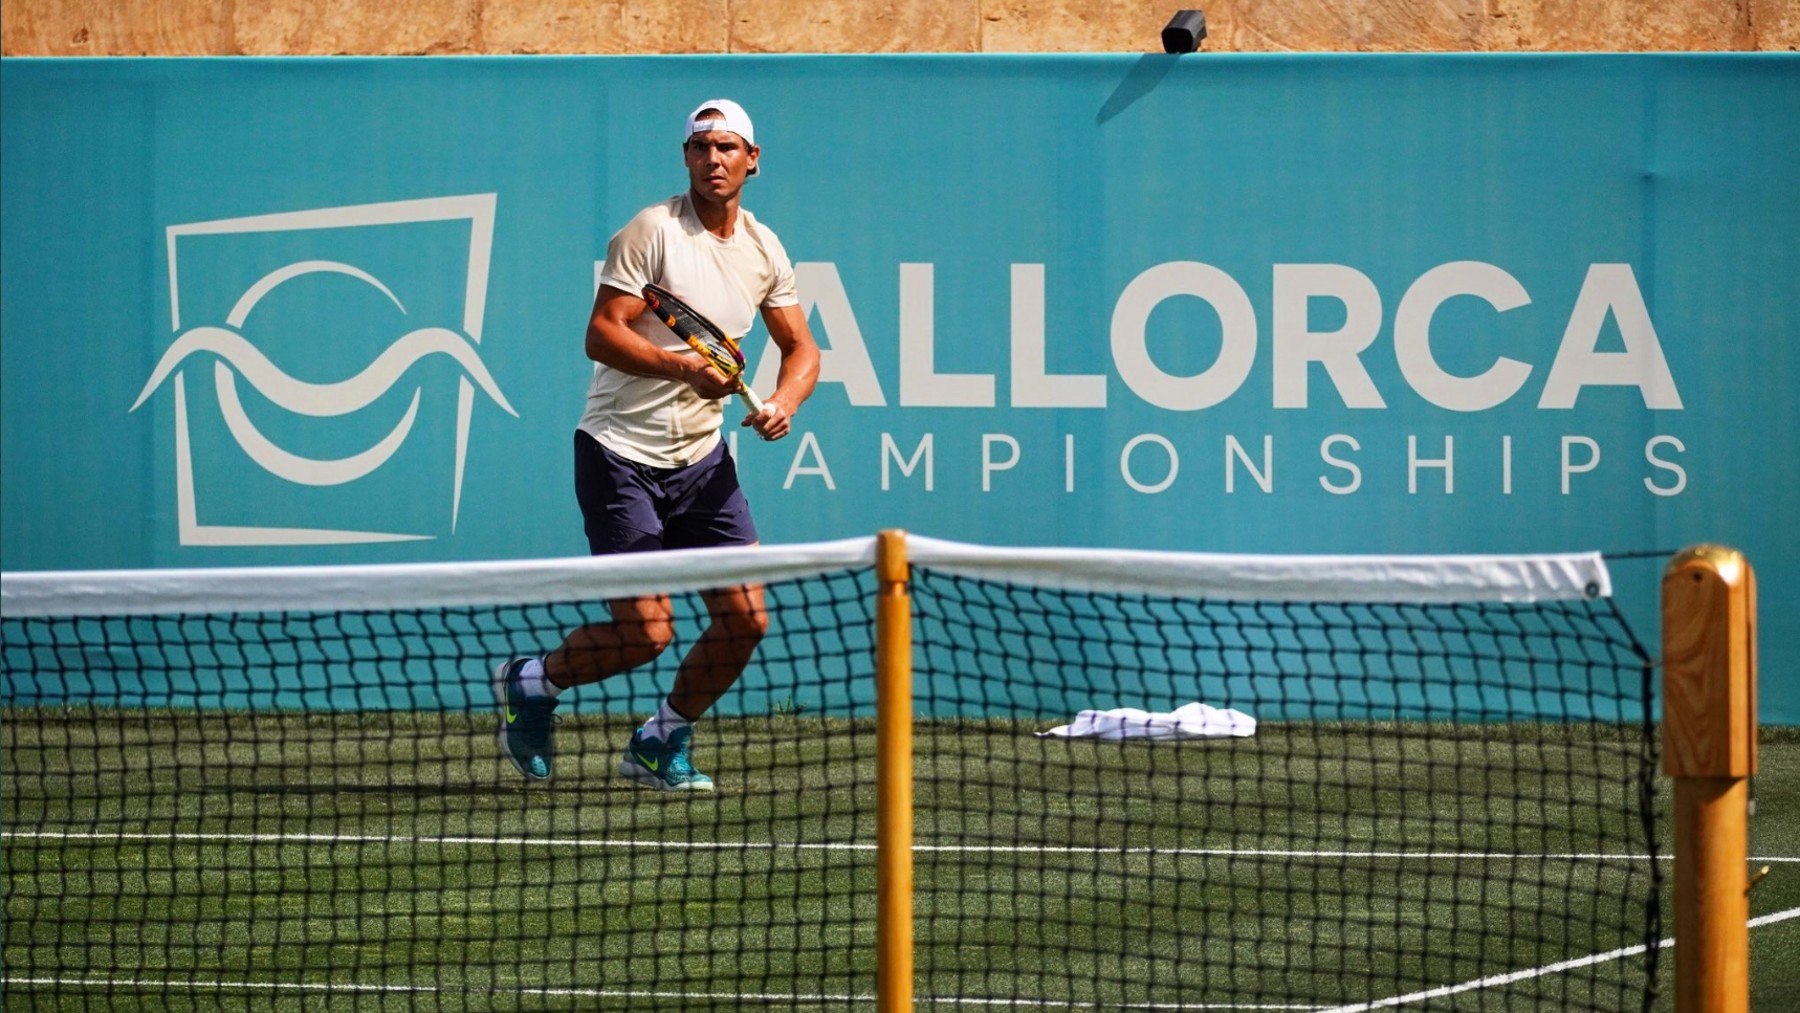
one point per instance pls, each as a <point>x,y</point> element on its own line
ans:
<point>363,27</point>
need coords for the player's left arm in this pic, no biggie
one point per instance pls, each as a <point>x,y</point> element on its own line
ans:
<point>798,375</point>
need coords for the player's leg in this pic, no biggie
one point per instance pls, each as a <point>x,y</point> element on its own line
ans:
<point>618,508</point>
<point>707,509</point>
<point>639,630</point>
<point>659,752</point>
<point>740,620</point>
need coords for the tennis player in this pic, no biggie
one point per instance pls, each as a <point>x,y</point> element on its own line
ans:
<point>651,470</point>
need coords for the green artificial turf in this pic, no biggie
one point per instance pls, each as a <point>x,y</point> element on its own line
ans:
<point>392,861</point>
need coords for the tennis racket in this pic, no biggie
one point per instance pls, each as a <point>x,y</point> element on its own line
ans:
<point>718,349</point>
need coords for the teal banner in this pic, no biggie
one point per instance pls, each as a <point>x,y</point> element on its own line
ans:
<point>332,310</point>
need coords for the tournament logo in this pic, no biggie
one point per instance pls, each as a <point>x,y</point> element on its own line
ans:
<point>340,431</point>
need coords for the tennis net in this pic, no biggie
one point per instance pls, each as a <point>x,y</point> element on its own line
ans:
<point>281,789</point>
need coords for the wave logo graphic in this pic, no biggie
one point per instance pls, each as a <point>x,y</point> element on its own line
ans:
<point>234,355</point>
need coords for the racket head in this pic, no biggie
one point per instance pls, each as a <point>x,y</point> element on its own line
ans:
<point>692,326</point>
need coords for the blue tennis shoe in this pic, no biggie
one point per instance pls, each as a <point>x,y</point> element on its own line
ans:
<point>663,764</point>
<point>525,723</point>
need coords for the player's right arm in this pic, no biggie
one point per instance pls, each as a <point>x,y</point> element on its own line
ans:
<point>611,342</point>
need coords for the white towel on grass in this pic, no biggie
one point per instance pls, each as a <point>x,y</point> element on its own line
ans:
<point>1193,721</point>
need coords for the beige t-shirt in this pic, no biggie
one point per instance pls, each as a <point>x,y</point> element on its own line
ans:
<point>660,422</point>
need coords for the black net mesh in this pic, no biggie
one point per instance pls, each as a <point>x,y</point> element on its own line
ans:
<point>1434,795</point>
<point>310,811</point>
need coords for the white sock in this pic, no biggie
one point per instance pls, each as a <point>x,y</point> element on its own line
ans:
<point>533,681</point>
<point>664,723</point>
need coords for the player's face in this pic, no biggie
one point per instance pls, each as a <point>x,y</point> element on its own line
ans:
<point>717,163</point>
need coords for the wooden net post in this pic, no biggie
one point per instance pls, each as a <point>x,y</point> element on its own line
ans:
<point>893,777</point>
<point>1709,749</point>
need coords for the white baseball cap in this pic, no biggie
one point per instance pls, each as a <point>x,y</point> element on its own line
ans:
<point>727,115</point>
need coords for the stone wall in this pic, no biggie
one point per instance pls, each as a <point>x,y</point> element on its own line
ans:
<point>297,27</point>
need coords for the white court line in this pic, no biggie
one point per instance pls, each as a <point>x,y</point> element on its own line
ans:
<point>350,986</point>
<point>523,842</point>
<point>603,993</point>
<point>1536,972</point>
<point>578,842</point>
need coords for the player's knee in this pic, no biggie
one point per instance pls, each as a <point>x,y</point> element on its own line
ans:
<point>749,625</point>
<point>656,635</point>
<point>645,639</point>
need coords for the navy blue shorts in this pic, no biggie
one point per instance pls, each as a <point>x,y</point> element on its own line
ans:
<point>632,507</point>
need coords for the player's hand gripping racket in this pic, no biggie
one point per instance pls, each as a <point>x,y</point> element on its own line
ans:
<point>719,350</point>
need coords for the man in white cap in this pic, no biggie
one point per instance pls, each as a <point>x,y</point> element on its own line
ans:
<point>651,471</point>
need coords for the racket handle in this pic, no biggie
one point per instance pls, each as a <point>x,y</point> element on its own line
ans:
<point>748,396</point>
